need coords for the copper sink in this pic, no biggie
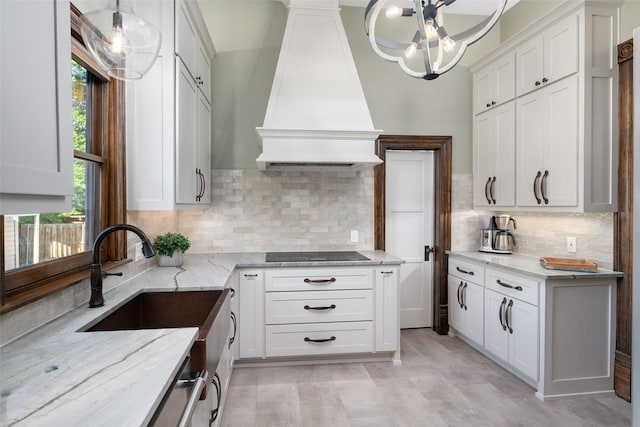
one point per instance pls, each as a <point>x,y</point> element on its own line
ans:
<point>209,311</point>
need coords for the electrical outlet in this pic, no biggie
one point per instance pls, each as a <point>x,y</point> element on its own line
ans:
<point>571,245</point>
<point>354,236</point>
<point>137,251</point>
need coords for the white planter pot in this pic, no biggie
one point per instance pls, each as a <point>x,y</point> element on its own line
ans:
<point>170,261</point>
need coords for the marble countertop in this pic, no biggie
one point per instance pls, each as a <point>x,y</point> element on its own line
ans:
<point>530,265</point>
<point>57,375</point>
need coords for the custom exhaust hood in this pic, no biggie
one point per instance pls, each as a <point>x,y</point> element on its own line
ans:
<point>317,115</point>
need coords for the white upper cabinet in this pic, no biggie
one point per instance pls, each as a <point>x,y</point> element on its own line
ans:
<point>192,47</point>
<point>494,165</point>
<point>36,146</point>
<point>186,36</point>
<point>565,138</point>
<point>548,57</point>
<point>494,84</point>
<point>168,115</point>
<point>547,146</point>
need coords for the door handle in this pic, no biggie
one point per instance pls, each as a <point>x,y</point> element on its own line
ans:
<point>427,250</point>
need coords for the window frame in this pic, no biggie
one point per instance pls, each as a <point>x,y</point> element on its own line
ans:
<point>25,285</point>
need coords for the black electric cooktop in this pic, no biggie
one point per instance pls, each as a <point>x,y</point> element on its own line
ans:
<point>315,256</point>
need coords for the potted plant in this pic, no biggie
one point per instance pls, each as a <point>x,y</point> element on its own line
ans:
<point>170,247</point>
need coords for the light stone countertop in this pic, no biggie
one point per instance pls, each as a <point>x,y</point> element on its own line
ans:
<point>530,265</point>
<point>56,375</point>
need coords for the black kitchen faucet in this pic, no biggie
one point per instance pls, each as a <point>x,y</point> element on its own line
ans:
<point>97,300</point>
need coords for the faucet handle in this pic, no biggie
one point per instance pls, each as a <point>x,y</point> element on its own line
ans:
<point>105,274</point>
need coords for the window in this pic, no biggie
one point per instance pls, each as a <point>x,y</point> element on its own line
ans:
<point>43,253</point>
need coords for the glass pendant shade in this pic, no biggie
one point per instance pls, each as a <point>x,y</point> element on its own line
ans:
<point>125,45</point>
<point>440,51</point>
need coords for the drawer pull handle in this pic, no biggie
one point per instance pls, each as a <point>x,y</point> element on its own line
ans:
<point>333,279</point>
<point>470,273</point>
<point>386,272</point>
<point>307,339</point>
<point>250,275</point>
<point>506,285</point>
<point>328,307</point>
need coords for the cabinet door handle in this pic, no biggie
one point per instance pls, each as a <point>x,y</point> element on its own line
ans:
<point>544,80</point>
<point>543,185</point>
<point>508,315</point>
<point>538,83</point>
<point>506,285</point>
<point>470,273</point>
<point>307,339</point>
<point>493,102</point>
<point>459,298</point>
<point>464,296</point>
<point>333,279</point>
<point>232,292</point>
<point>501,314</point>
<point>218,385</point>
<point>326,307</point>
<point>493,181</point>
<point>235,328</point>
<point>535,187</point>
<point>486,190</point>
<point>203,186</point>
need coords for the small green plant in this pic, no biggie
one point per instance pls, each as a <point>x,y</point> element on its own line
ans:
<point>166,244</point>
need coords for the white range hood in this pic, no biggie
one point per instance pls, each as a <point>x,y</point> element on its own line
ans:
<point>317,114</point>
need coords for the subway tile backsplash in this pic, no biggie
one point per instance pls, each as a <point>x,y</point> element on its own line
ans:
<point>267,211</point>
<point>316,210</point>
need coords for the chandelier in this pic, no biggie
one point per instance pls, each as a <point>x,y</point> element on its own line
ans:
<point>123,44</point>
<point>440,51</point>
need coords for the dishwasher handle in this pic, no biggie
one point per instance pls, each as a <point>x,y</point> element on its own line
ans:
<point>200,382</point>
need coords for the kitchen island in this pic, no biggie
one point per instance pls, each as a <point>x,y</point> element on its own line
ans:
<point>554,329</point>
<point>56,375</point>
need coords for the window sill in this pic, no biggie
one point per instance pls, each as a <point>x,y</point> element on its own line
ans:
<point>20,298</point>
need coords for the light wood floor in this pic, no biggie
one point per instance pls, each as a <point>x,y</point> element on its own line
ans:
<point>442,382</point>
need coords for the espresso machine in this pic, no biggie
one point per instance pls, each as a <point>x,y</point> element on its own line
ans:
<point>498,238</point>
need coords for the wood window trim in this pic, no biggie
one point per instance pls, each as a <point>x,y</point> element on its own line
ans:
<point>20,287</point>
<point>442,147</point>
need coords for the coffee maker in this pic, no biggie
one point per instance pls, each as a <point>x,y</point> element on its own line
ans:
<point>498,238</point>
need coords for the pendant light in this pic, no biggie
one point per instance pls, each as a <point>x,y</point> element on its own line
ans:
<point>125,45</point>
<point>440,51</point>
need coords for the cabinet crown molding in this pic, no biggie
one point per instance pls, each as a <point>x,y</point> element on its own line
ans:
<point>540,25</point>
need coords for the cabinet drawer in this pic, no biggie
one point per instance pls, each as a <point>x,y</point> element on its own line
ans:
<point>318,306</point>
<point>327,278</point>
<point>319,338</point>
<point>522,288</point>
<point>466,270</point>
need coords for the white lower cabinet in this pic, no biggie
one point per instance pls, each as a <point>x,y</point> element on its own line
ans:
<point>466,300</point>
<point>466,308</point>
<point>288,312</point>
<point>555,331</point>
<point>251,316</point>
<point>511,332</point>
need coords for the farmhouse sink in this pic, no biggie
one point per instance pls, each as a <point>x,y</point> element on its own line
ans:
<point>209,311</point>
